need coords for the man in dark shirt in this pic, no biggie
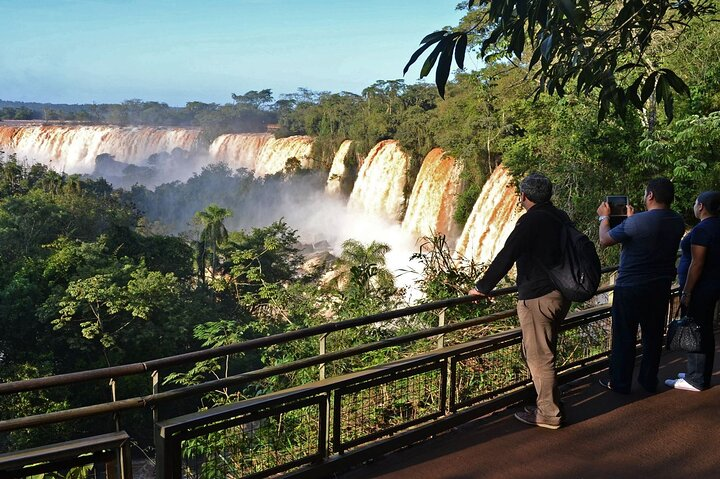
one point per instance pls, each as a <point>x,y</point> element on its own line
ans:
<point>534,246</point>
<point>647,268</point>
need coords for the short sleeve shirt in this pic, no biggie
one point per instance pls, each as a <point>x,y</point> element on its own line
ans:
<point>707,234</point>
<point>649,246</point>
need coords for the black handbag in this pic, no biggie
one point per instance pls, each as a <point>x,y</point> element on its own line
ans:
<point>684,335</point>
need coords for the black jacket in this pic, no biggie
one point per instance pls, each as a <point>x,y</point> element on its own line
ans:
<point>534,242</point>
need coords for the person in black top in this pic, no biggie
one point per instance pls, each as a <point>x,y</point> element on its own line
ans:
<point>699,278</point>
<point>533,246</point>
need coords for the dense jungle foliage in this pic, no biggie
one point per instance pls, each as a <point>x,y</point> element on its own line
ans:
<point>92,276</point>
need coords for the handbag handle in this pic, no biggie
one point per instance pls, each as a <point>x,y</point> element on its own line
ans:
<point>679,312</point>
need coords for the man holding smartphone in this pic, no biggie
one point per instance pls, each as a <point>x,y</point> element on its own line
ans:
<point>618,209</point>
<point>647,268</point>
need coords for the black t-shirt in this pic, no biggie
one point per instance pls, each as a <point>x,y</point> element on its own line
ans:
<point>534,243</point>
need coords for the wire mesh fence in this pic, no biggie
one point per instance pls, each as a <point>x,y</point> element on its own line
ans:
<point>252,445</point>
<point>374,408</point>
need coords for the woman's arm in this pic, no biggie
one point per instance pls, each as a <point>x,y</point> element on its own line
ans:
<point>697,263</point>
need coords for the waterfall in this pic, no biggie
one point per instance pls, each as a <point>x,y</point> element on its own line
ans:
<point>238,150</point>
<point>73,149</point>
<point>381,182</point>
<point>492,219</point>
<point>276,151</point>
<point>338,170</point>
<point>432,203</point>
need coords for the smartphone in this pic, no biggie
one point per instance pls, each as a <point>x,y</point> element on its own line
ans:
<point>618,208</point>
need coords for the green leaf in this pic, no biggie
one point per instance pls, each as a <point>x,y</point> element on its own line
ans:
<point>419,52</point>
<point>517,41</point>
<point>522,9</point>
<point>584,80</point>
<point>632,93</point>
<point>663,93</point>
<point>430,60</point>
<point>603,110</point>
<point>567,7</point>
<point>442,72</point>
<point>627,66</point>
<point>648,87</point>
<point>434,36</point>
<point>546,47</point>
<point>460,46</point>
<point>675,82</point>
<point>541,13</point>
<point>535,58</point>
<point>669,106</point>
<point>491,39</point>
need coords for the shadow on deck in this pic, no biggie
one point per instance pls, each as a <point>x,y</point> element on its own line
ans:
<point>670,434</point>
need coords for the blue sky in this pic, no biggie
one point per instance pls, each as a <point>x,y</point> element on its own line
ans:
<point>84,51</point>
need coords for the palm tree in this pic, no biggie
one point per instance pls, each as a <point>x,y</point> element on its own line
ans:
<point>213,234</point>
<point>363,266</point>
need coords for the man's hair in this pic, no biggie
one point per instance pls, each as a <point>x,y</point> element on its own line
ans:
<point>711,201</point>
<point>662,189</point>
<point>537,188</point>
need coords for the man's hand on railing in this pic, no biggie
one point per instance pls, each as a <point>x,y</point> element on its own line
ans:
<point>475,292</point>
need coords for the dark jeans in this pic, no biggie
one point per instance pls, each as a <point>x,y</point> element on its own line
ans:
<point>646,306</point>
<point>700,365</point>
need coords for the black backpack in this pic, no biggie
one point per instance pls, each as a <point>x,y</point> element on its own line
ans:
<point>577,276</point>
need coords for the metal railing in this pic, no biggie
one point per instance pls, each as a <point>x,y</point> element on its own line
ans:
<point>330,423</point>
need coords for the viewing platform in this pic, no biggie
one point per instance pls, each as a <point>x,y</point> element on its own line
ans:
<point>444,411</point>
<point>670,434</point>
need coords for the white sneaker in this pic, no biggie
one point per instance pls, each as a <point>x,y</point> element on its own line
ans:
<point>684,385</point>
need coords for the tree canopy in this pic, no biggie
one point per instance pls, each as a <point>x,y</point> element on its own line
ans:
<point>599,46</point>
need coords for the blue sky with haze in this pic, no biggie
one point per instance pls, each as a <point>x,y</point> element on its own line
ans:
<point>84,51</point>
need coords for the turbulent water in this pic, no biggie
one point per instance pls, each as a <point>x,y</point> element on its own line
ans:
<point>73,149</point>
<point>434,197</point>
<point>379,188</point>
<point>492,219</point>
<point>239,150</point>
<point>338,170</point>
<point>377,195</point>
<point>276,152</point>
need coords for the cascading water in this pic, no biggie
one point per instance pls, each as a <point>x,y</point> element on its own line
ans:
<point>239,150</point>
<point>378,191</point>
<point>432,203</point>
<point>492,219</point>
<point>338,170</point>
<point>73,149</point>
<point>381,182</point>
<point>277,151</point>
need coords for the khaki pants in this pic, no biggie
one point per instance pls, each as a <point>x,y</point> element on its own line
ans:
<point>539,322</point>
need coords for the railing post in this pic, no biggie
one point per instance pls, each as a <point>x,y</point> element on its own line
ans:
<point>121,460</point>
<point>322,348</point>
<point>155,390</point>
<point>324,433</point>
<point>441,322</point>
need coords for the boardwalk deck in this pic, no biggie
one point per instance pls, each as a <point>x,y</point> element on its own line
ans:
<point>670,434</point>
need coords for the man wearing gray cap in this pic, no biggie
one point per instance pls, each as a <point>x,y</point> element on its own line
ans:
<point>534,246</point>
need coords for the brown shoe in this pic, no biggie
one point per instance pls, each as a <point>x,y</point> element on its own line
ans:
<point>534,419</point>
